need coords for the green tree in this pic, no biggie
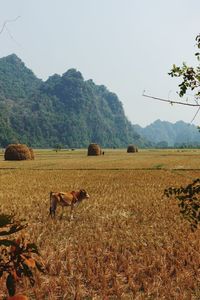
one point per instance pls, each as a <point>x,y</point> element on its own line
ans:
<point>189,196</point>
<point>66,110</point>
<point>57,147</point>
<point>190,75</point>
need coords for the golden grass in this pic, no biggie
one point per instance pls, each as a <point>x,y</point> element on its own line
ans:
<point>126,242</point>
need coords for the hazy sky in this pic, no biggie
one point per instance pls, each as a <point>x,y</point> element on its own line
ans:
<point>127,45</point>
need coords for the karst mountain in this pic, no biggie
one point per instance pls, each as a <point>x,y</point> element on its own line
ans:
<point>65,109</point>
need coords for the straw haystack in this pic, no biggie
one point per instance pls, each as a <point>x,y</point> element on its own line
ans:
<point>31,153</point>
<point>132,149</point>
<point>18,152</point>
<point>94,149</point>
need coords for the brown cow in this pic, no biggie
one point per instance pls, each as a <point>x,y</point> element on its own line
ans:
<point>66,199</point>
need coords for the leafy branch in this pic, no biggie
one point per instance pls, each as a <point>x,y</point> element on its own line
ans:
<point>190,75</point>
<point>190,81</point>
<point>18,258</point>
<point>188,197</point>
<point>188,201</point>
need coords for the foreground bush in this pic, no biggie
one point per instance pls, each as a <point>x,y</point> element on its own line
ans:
<point>188,201</point>
<point>18,258</point>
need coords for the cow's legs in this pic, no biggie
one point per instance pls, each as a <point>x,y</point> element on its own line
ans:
<point>61,216</point>
<point>53,205</point>
<point>52,212</point>
<point>72,212</point>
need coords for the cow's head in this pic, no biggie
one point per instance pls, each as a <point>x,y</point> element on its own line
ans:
<point>84,194</point>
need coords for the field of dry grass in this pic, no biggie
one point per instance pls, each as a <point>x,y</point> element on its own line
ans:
<point>126,242</point>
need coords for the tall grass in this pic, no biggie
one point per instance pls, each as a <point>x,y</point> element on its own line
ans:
<point>126,242</point>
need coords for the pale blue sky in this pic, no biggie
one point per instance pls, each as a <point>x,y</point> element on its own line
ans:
<point>127,45</point>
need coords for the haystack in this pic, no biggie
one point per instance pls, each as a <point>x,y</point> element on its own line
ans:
<point>132,149</point>
<point>94,149</point>
<point>18,152</point>
<point>32,153</point>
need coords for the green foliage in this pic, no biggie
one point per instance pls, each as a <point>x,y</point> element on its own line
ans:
<point>57,147</point>
<point>18,258</point>
<point>190,75</point>
<point>16,81</point>
<point>64,110</point>
<point>188,197</point>
<point>188,201</point>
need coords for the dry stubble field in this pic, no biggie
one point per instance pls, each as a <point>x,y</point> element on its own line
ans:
<point>126,242</point>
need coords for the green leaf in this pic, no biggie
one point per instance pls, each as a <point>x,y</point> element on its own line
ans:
<point>7,243</point>
<point>10,284</point>
<point>40,267</point>
<point>6,220</point>
<point>32,247</point>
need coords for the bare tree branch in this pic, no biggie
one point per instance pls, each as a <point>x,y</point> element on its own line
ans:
<point>171,101</point>
<point>12,38</point>
<point>8,21</point>
<point>195,115</point>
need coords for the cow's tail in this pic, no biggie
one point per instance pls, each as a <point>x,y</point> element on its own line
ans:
<point>50,196</point>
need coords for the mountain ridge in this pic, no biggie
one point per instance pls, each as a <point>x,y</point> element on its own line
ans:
<point>72,112</point>
<point>170,134</point>
<point>65,109</point>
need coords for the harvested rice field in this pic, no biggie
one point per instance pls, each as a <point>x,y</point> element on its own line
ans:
<point>126,242</point>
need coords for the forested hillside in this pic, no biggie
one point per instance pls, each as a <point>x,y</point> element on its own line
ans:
<point>64,110</point>
<point>163,134</point>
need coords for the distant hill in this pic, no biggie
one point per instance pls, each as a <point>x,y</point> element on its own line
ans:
<point>164,133</point>
<point>64,110</point>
